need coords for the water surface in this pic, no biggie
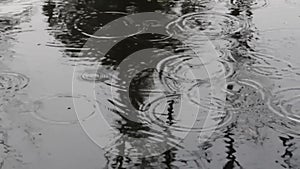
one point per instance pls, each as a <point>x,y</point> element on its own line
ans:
<point>226,95</point>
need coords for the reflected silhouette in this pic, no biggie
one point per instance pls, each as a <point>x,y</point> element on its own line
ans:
<point>133,78</point>
<point>133,82</point>
<point>130,6</point>
<point>4,150</point>
<point>63,16</point>
<point>290,146</point>
<point>189,6</point>
<point>232,162</point>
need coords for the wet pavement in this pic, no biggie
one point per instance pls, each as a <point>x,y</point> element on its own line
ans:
<point>217,85</point>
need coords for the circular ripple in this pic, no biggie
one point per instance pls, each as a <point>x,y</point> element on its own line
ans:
<point>12,81</point>
<point>240,95</point>
<point>248,4</point>
<point>266,65</point>
<point>130,127</point>
<point>285,103</point>
<point>182,71</point>
<point>282,45</point>
<point>179,114</point>
<point>208,24</point>
<point>59,109</point>
<point>90,24</point>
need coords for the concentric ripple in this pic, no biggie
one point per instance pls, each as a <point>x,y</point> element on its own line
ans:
<point>240,95</point>
<point>179,114</point>
<point>246,4</point>
<point>12,81</point>
<point>285,104</point>
<point>59,109</point>
<point>130,127</point>
<point>209,24</point>
<point>90,24</point>
<point>179,72</point>
<point>266,65</point>
<point>283,46</point>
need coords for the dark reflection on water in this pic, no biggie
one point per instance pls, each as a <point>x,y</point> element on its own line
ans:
<point>152,89</point>
<point>232,163</point>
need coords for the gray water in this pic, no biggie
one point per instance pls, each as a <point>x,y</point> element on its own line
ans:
<point>72,98</point>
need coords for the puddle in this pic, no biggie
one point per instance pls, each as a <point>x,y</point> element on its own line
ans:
<point>60,109</point>
<point>198,84</point>
<point>213,25</point>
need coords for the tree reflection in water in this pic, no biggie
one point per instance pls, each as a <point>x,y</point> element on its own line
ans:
<point>62,15</point>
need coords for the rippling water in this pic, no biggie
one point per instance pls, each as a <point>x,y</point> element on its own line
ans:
<point>108,84</point>
<point>206,23</point>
